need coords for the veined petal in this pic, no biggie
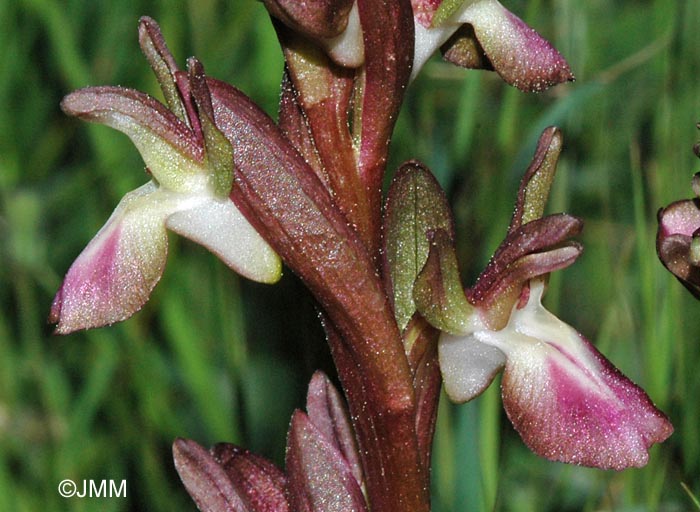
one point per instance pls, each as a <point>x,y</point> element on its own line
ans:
<point>566,400</point>
<point>220,227</point>
<point>115,274</point>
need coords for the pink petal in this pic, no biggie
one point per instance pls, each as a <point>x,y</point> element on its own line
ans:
<point>519,54</point>
<point>568,402</point>
<point>680,218</point>
<point>115,274</point>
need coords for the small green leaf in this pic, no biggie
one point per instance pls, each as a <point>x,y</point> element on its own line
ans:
<point>416,205</point>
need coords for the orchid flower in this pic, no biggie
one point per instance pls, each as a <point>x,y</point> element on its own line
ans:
<point>190,163</point>
<point>483,34</point>
<point>567,401</point>
<point>678,239</point>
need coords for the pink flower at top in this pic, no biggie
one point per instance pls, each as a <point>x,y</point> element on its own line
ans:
<point>484,34</point>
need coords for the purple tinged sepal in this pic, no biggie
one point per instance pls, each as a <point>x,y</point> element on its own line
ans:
<point>312,18</point>
<point>326,409</point>
<point>205,479</point>
<point>191,164</point>
<point>534,246</point>
<point>259,483</point>
<point>497,39</point>
<point>229,479</point>
<point>320,478</point>
<point>678,239</point>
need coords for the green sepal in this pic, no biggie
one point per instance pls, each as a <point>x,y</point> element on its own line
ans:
<point>537,182</point>
<point>438,293</point>
<point>218,149</point>
<point>163,64</point>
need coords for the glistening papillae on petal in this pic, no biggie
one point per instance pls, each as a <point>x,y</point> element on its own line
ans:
<point>566,400</point>
<point>517,52</point>
<point>115,274</point>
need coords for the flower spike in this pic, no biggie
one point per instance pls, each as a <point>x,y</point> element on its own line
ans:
<point>191,164</point>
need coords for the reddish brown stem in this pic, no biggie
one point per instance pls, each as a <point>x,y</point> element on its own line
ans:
<point>287,202</point>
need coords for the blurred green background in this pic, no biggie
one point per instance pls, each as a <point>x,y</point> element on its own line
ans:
<point>213,358</point>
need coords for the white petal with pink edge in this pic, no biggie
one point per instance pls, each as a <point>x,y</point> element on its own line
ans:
<point>567,401</point>
<point>114,275</point>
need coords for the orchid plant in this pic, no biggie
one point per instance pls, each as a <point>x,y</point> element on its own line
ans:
<point>307,190</point>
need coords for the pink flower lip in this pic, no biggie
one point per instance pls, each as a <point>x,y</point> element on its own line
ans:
<point>564,398</point>
<point>568,402</point>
